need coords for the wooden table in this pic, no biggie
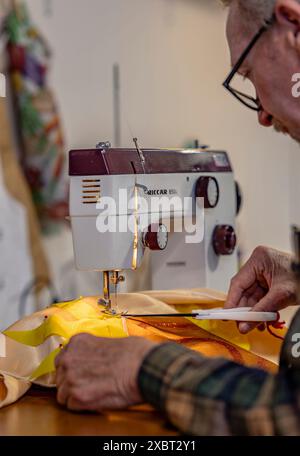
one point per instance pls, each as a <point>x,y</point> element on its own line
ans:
<point>38,414</point>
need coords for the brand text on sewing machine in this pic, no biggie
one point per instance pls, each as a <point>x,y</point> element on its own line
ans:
<point>135,213</point>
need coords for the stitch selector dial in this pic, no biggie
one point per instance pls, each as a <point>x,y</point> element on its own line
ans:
<point>156,237</point>
<point>224,240</point>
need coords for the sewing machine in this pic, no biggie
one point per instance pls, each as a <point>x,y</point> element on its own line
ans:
<point>124,202</point>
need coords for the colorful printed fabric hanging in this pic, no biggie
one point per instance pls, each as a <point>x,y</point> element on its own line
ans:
<point>37,119</point>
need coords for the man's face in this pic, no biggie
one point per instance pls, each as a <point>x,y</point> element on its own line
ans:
<point>270,67</point>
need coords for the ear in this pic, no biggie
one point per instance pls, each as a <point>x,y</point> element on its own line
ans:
<point>287,13</point>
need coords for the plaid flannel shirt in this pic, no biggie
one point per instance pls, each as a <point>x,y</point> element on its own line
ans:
<point>206,397</point>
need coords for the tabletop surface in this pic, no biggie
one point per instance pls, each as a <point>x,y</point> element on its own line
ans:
<point>38,414</point>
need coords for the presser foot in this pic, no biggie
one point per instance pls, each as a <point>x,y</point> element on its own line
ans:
<point>107,304</point>
<point>115,278</point>
<point>111,313</point>
<point>108,309</point>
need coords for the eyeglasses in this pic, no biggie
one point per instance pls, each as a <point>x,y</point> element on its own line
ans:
<point>247,100</point>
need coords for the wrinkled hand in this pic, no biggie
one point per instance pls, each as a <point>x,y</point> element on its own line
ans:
<point>265,283</point>
<point>96,374</point>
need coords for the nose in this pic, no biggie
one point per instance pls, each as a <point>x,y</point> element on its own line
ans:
<point>264,118</point>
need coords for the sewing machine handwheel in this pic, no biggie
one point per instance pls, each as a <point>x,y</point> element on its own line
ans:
<point>156,237</point>
<point>208,188</point>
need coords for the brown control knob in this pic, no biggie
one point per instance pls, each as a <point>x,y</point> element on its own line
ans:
<point>156,237</point>
<point>224,240</point>
<point>207,187</point>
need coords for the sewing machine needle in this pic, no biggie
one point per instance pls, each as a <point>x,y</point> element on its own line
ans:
<point>116,299</point>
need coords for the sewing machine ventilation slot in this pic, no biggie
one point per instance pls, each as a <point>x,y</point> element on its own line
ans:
<point>91,191</point>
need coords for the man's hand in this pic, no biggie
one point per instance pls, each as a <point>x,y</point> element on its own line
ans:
<point>96,374</point>
<point>265,283</point>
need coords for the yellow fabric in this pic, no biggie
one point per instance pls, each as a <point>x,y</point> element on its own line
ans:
<point>46,367</point>
<point>99,325</point>
<point>33,343</point>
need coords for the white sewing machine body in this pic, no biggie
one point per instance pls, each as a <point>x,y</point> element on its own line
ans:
<point>115,188</point>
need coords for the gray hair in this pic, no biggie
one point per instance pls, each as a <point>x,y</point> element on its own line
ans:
<point>254,11</point>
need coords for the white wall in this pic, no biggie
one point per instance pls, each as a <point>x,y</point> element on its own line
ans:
<point>173,58</point>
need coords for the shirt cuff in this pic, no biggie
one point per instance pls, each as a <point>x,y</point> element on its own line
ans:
<point>160,367</point>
